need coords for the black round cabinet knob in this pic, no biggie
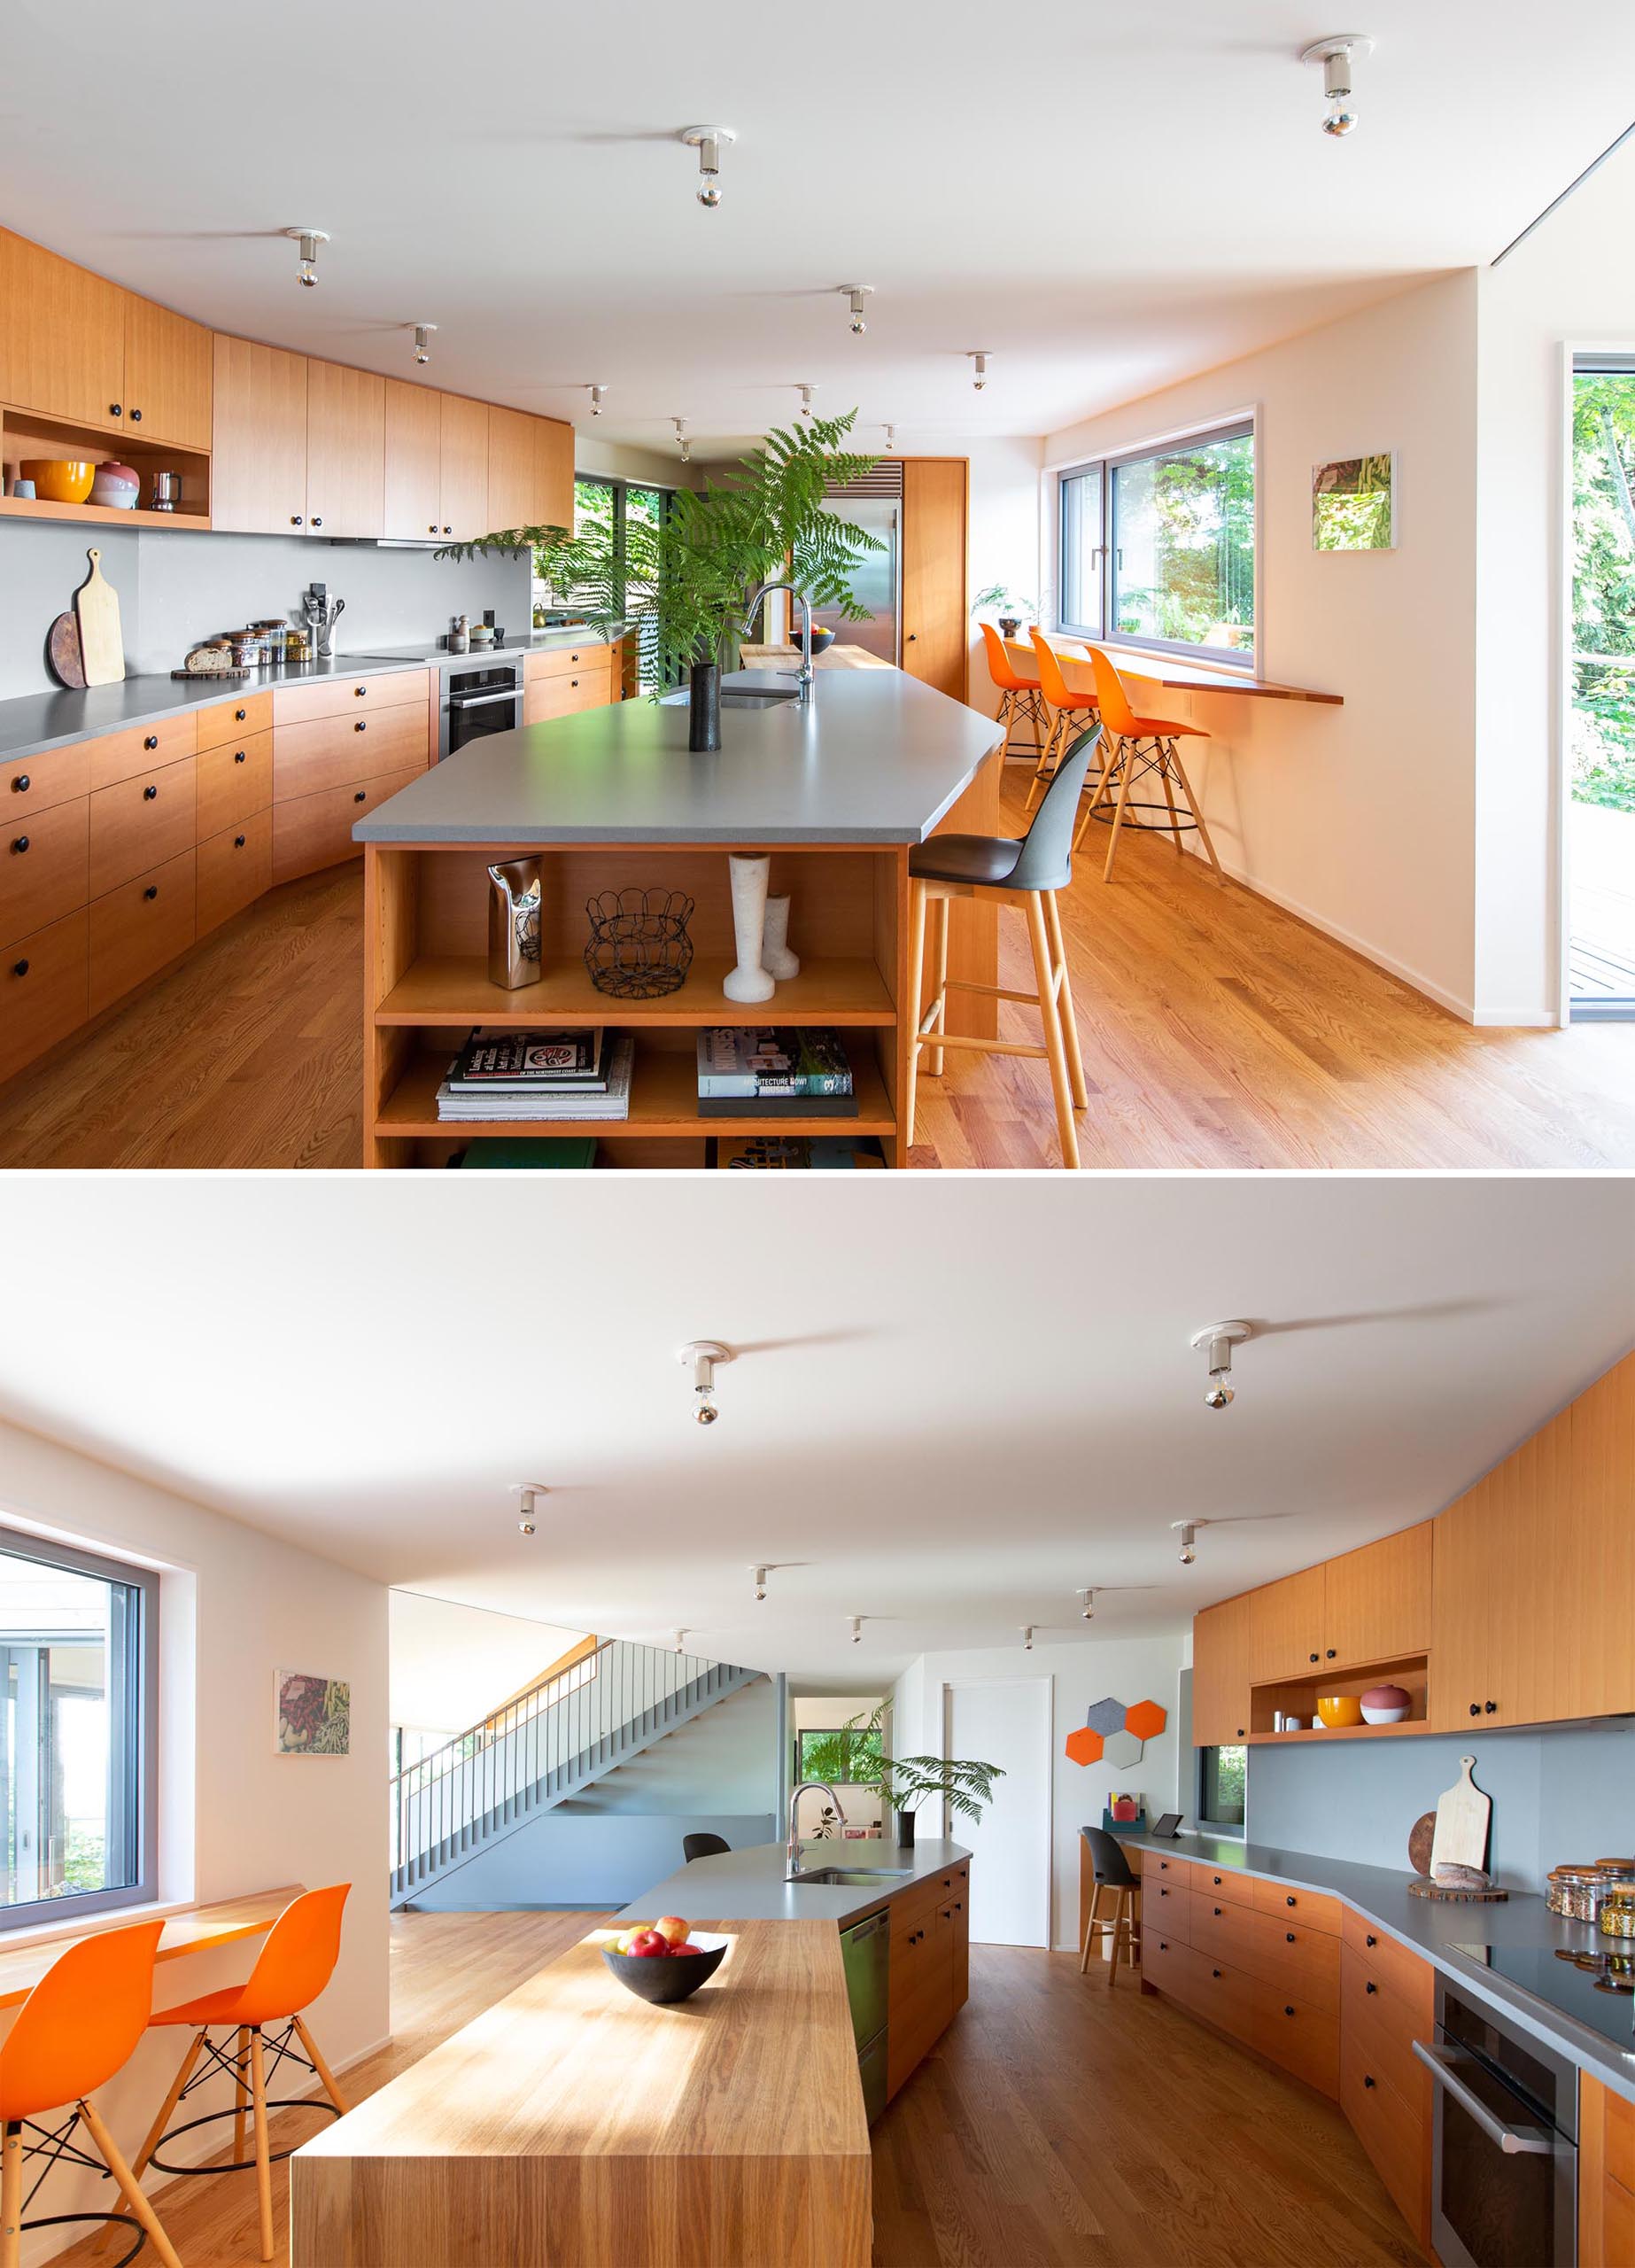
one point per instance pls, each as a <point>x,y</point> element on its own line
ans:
<point>1371,1986</point>
<point>1367,2079</point>
<point>20,785</point>
<point>1287,1936</point>
<point>238,755</point>
<point>1475,1708</point>
<point>19,844</point>
<point>1288,2011</point>
<point>358,691</point>
<point>19,968</point>
<point>1290,1901</point>
<point>1214,1972</point>
<point>114,410</point>
<point>135,418</point>
<point>1329,1655</point>
<point>1370,1939</point>
<point>239,842</point>
<point>1489,1707</point>
<point>151,890</point>
<point>361,724</point>
<point>363,796</point>
<point>239,715</point>
<point>1310,1658</point>
<point>150,793</point>
<point>317,521</point>
<point>152,741</point>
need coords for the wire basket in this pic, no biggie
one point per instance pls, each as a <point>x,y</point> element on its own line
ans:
<point>638,948</point>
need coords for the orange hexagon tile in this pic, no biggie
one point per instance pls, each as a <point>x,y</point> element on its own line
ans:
<point>1146,1719</point>
<point>1084,1746</point>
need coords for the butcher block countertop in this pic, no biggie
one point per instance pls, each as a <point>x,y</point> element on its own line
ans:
<point>574,2124</point>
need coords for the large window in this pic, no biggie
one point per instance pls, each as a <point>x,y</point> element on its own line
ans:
<point>1158,547</point>
<point>78,1650</point>
<point>1600,819</point>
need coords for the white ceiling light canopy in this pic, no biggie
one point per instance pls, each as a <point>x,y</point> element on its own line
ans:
<point>857,293</point>
<point>309,240</point>
<point>979,375</point>
<point>1216,1341</point>
<point>701,1355</point>
<point>707,141</point>
<point>598,394</point>
<point>530,1492</point>
<point>423,339</point>
<point>1336,54</point>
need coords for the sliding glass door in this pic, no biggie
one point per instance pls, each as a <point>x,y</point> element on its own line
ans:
<point>1601,845</point>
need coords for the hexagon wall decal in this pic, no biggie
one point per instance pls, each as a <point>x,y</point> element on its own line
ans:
<point>1146,1720</point>
<point>1084,1746</point>
<point>1106,1716</point>
<point>1121,1749</point>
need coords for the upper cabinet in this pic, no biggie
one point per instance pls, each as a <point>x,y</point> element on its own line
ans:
<point>511,493</point>
<point>168,368</point>
<point>1220,1642</point>
<point>552,473</point>
<point>259,468</point>
<point>1286,1626</point>
<point>1595,1636</point>
<point>1376,1602</point>
<point>345,450</point>
<point>464,437</point>
<point>414,461</point>
<point>62,337</point>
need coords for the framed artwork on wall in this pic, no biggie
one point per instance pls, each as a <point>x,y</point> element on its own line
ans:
<point>312,1716</point>
<point>1354,504</point>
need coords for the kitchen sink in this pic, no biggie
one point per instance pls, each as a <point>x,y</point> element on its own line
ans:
<point>857,1877</point>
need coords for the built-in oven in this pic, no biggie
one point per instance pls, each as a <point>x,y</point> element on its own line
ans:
<point>480,700</point>
<point>1505,2150</point>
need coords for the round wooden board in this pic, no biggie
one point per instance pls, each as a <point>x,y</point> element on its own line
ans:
<point>62,652</point>
<point>1423,1887</point>
<point>1421,1836</point>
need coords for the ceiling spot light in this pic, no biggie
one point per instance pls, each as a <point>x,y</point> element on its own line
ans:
<point>979,356</point>
<point>1186,1530</point>
<point>598,394</point>
<point>1336,54</point>
<point>1216,1341</point>
<point>806,400</point>
<point>530,1491</point>
<point>680,1635</point>
<point>1027,1638</point>
<point>701,1355</point>
<point>891,439</point>
<point>760,1584</point>
<point>682,442</point>
<point>857,293</point>
<point>855,1621</point>
<point>309,240</point>
<point>1087,1606</point>
<point>707,141</point>
<point>422,340</point>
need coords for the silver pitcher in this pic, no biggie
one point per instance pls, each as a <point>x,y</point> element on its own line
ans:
<point>513,897</point>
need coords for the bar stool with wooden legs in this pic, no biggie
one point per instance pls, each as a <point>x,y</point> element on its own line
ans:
<point>1072,710</point>
<point>999,870</point>
<point>80,2025</point>
<point>1021,701</point>
<point>294,1966</point>
<point>1141,746</point>
<point>1112,1872</point>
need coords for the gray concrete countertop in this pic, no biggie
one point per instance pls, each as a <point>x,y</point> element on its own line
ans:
<point>1435,1927</point>
<point>873,757</point>
<point>432,656</point>
<point>749,1885</point>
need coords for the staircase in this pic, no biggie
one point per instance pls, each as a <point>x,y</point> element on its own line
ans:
<point>550,1743</point>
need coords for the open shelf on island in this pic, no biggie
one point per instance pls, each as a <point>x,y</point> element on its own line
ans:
<point>456,989</point>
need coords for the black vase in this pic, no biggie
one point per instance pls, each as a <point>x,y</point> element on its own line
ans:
<point>905,1830</point>
<point>704,706</point>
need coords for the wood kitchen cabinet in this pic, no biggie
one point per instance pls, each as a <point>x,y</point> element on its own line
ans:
<point>934,613</point>
<point>345,450</point>
<point>1595,1649</point>
<point>511,490</point>
<point>1286,1624</point>
<point>169,376</point>
<point>463,437</point>
<point>930,1967</point>
<point>1221,1638</point>
<point>414,469</point>
<point>62,337</point>
<point>1377,1605</point>
<point>552,473</point>
<point>258,463</point>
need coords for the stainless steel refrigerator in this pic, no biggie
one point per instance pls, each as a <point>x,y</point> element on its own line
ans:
<point>874,581</point>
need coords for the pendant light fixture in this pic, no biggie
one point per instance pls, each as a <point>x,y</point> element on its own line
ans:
<point>422,340</point>
<point>760,1585</point>
<point>707,141</point>
<point>1215,1342</point>
<point>309,240</point>
<point>857,293</point>
<point>856,1621</point>
<point>891,440</point>
<point>598,394</point>
<point>682,442</point>
<point>680,1635</point>
<point>1186,1530</point>
<point>1027,1638</point>
<point>806,393</point>
<point>1336,54</point>
<point>701,1355</point>
<point>530,1492</point>
<point>979,356</point>
<point>1087,1606</point>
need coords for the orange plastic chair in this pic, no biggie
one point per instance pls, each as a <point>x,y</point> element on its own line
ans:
<point>1141,745</point>
<point>295,1964</point>
<point>1020,700</point>
<point>1074,711</point>
<point>78,2027</point>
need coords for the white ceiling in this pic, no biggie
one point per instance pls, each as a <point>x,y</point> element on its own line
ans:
<point>958,1398</point>
<point>1105,200</point>
<point>451,1665</point>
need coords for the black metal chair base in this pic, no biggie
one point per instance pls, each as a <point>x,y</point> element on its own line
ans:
<point>1105,812</point>
<point>60,2220</point>
<point>238,2165</point>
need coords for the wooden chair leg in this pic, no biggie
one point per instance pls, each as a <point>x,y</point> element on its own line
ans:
<point>939,965</point>
<point>1047,760</point>
<point>1036,716</point>
<point>1192,805</point>
<point>1064,1001</point>
<point>1129,758</point>
<point>241,2090</point>
<point>1061,1086</point>
<point>1175,817</point>
<point>321,2067</point>
<point>1120,1935</point>
<point>263,2159</point>
<point>131,2187</point>
<point>1089,1929</point>
<point>916,963</point>
<point>156,2133</point>
<point>12,2197</point>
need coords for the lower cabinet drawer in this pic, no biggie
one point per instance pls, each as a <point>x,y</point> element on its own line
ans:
<point>141,822</point>
<point>315,831</point>
<point>334,751</point>
<point>139,927</point>
<point>1228,1997</point>
<point>1166,1908</point>
<point>235,720</point>
<point>1621,2140</point>
<point>1224,1887</point>
<point>1303,2040</point>
<point>33,783</point>
<point>1166,1869</point>
<point>1406,1979</point>
<point>126,756</point>
<point>1224,1932</point>
<point>233,868</point>
<point>1314,1907</point>
<point>1306,1961</point>
<point>43,990</point>
<point>1383,2027</point>
<point>235,778</point>
<point>42,868</point>
<point>1395,2132</point>
<point>563,696</point>
<point>1168,1963</point>
<point>566,660</point>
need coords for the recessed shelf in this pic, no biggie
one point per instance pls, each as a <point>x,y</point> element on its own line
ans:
<point>36,508</point>
<point>456,991</point>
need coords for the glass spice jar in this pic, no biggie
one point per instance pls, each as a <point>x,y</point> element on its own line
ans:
<point>1574,1892</point>
<point>1617,1914</point>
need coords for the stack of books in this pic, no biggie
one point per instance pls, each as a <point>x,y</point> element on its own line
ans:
<point>798,1154</point>
<point>538,1074</point>
<point>750,1071</point>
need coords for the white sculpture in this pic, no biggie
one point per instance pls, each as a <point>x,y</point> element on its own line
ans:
<point>775,953</point>
<point>748,981</point>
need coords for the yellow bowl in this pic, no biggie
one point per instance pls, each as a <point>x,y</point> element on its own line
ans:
<point>58,480</point>
<point>1340,1709</point>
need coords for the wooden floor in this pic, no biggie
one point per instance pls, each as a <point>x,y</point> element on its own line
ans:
<point>1056,2126</point>
<point>1218,1032</point>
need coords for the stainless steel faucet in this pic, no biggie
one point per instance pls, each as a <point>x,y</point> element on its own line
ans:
<point>806,644</point>
<point>792,1873</point>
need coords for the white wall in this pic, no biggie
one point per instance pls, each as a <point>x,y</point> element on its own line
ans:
<point>1129,1669</point>
<point>235,1816</point>
<point>1004,546</point>
<point>619,462</point>
<point>1569,286</point>
<point>1360,818</point>
<point>451,1665</point>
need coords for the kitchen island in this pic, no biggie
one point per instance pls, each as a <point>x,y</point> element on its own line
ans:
<point>836,790</point>
<point>573,2125</point>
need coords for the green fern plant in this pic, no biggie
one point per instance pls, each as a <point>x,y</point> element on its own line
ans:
<point>685,587</point>
<point>855,1755</point>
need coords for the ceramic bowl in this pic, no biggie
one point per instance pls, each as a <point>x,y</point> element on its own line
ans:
<point>117,487</point>
<point>1386,1704</point>
<point>1339,1710</point>
<point>59,480</point>
<point>822,639</point>
<point>664,1979</point>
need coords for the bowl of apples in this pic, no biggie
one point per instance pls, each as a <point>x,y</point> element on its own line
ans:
<point>662,1962</point>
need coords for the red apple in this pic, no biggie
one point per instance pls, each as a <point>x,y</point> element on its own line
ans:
<point>685,1949</point>
<point>672,1929</point>
<point>646,1943</point>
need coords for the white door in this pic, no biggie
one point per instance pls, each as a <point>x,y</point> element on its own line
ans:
<point>1007,1722</point>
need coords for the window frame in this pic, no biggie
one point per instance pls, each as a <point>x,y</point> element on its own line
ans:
<point>138,1676</point>
<point>1237,1828</point>
<point>1241,426</point>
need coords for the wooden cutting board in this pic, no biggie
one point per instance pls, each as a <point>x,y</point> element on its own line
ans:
<point>62,652</point>
<point>1463,1816</point>
<point>97,608</point>
<point>1420,1837</point>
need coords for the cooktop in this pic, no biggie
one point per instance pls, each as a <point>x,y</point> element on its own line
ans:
<point>1595,1988</point>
